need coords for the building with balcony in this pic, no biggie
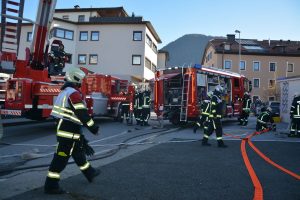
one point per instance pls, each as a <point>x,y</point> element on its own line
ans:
<point>262,62</point>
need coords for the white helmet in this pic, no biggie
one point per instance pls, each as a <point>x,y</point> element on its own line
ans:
<point>75,75</point>
<point>219,88</point>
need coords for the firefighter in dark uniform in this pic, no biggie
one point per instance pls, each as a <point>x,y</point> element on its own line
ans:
<point>264,119</point>
<point>295,116</point>
<point>146,107</point>
<point>215,116</point>
<point>205,109</point>
<point>135,107</point>
<point>125,109</point>
<point>246,103</point>
<point>57,57</point>
<point>71,112</point>
<point>140,107</point>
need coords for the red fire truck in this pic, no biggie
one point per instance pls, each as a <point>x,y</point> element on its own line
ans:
<point>178,92</point>
<point>31,92</point>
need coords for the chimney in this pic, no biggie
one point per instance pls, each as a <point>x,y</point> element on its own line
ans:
<point>76,6</point>
<point>230,37</point>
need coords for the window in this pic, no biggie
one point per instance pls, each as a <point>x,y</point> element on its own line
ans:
<point>81,18</point>
<point>81,59</point>
<point>137,35</point>
<point>272,67</point>
<point>227,47</point>
<point>242,65</point>
<point>256,82</point>
<point>271,98</point>
<point>95,36</point>
<point>227,64</point>
<point>63,33</point>
<point>29,36</point>
<point>236,83</point>
<point>148,40</point>
<point>66,17</point>
<point>153,67</point>
<point>154,48</point>
<point>271,83</point>
<point>83,36</point>
<point>256,65</point>
<point>290,67</point>
<point>136,59</point>
<point>147,63</point>
<point>93,59</point>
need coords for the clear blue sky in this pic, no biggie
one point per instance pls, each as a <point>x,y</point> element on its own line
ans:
<point>256,19</point>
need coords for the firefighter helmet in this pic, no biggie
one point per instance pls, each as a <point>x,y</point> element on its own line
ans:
<point>210,94</point>
<point>218,90</point>
<point>75,75</point>
<point>297,94</point>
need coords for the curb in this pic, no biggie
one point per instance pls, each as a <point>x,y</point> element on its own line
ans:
<point>25,121</point>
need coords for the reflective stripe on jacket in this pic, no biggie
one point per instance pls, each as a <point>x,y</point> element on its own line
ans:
<point>61,108</point>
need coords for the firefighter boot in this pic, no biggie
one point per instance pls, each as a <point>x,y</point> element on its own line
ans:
<point>205,142</point>
<point>52,187</point>
<point>91,173</point>
<point>221,144</point>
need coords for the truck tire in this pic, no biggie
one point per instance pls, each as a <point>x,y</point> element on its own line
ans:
<point>175,119</point>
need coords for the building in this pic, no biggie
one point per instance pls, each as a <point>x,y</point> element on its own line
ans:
<point>262,62</point>
<point>104,40</point>
<point>288,87</point>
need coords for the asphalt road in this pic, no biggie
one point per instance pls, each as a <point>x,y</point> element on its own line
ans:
<point>176,166</point>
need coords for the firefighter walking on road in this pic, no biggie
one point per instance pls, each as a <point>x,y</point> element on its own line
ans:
<point>264,119</point>
<point>71,112</point>
<point>146,108</point>
<point>203,118</point>
<point>215,116</point>
<point>295,116</point>
<point>246,102</point>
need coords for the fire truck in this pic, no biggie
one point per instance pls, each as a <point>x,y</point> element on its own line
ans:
<point>32,91</point>
<point>179,91</point>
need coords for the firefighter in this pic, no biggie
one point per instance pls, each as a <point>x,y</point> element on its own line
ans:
<point>205,108</point>
<point>57,57</point>
<point>140,107</point>
<point>246,109</point>
<point>215,116</point>
<point>264,119</point>
<point>71,112</point>
<point>295,116</point>
<point>146,107</point>
<point>135,107</point>
<point>125,109</point>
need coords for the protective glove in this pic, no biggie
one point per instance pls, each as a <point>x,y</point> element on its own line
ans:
<point>88,150</point>
<point>94,129</point>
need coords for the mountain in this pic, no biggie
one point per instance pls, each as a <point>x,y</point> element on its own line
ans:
<point>187,49</point>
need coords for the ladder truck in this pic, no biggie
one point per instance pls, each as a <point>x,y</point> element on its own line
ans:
<point>31,91</point>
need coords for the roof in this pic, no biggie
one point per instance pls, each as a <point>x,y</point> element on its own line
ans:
<point>103,12</point>
<point>256,47</point>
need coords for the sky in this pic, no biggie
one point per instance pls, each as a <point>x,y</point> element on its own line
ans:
<point>255,19</point>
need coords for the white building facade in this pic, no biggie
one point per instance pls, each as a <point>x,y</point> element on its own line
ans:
<point>104,40</point>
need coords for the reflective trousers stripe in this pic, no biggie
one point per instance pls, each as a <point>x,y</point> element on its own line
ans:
<point>219,138</point>
<point>68,135</point>
<point>53,175</point>
<point>206,136</point>
<point>85,166</point>
<point>79,106</point>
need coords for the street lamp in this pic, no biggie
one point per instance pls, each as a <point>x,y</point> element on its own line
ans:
<point>239,32</point>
